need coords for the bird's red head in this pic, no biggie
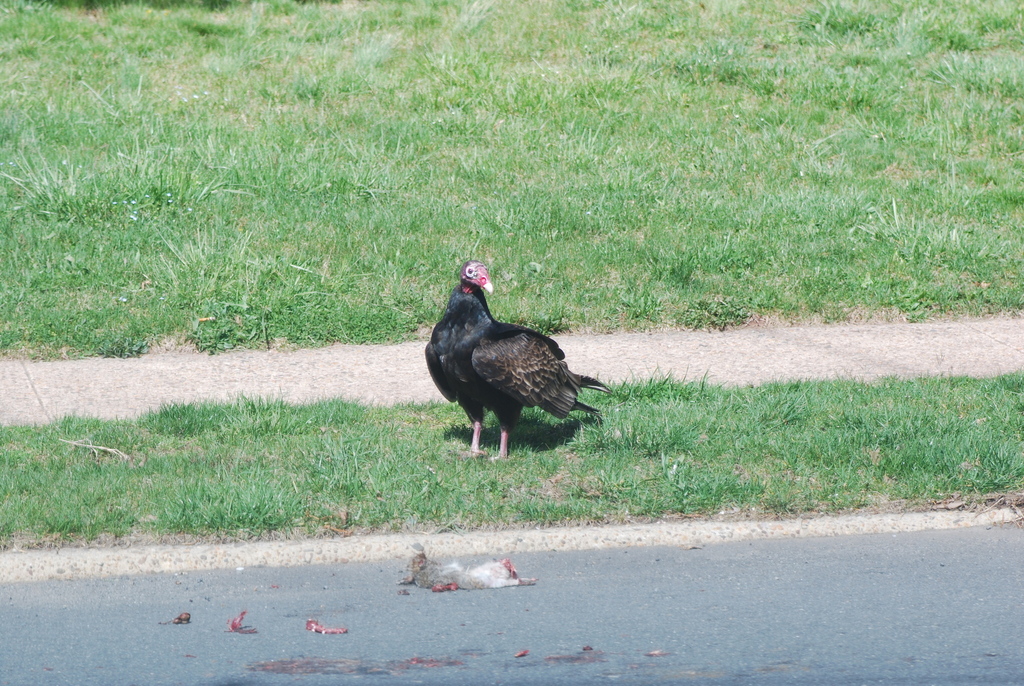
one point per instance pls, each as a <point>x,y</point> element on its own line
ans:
<point>474,275</point>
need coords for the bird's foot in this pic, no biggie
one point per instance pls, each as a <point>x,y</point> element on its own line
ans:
<point>470,454</point>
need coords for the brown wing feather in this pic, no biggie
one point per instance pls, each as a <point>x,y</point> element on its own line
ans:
<point>525,368</point>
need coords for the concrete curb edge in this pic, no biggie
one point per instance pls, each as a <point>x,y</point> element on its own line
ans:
<point>80,563</point>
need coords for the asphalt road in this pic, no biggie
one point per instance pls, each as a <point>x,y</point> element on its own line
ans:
<point>922,608</point>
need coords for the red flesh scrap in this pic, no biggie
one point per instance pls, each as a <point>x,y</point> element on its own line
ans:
<point>507,563</point>
<point>441,588</point>
<point>235,625</point>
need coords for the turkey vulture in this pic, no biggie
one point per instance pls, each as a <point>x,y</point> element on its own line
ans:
<point>486,364</point>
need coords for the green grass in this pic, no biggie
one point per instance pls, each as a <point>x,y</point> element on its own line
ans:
<point>316,172</point>
<point>662,448</point>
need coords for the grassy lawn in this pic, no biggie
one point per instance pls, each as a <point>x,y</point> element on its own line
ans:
<point>253,467</point>
<point>315,172</point>
<point>238,174</point>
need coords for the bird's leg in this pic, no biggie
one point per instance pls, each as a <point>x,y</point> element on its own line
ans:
<point>503,451</point>
<point>474,447</point>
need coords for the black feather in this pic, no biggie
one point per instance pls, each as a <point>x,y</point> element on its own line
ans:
<point>484,364</point>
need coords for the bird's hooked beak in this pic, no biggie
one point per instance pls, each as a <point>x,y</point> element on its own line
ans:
<point>487,286</point>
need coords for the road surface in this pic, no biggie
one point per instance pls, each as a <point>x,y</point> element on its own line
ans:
<point>921,608</point>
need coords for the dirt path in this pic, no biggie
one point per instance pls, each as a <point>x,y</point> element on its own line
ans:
<point>39,392</point>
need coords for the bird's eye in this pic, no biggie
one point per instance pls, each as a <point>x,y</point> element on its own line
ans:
<point>471,272</point>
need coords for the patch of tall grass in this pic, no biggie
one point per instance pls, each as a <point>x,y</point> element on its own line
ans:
<point>239,173</point>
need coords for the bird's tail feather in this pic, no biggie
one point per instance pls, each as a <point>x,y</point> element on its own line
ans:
<point>594,384</point>
<point>586,408</point>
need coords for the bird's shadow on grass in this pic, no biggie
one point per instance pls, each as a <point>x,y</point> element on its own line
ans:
<point>537,433</point>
